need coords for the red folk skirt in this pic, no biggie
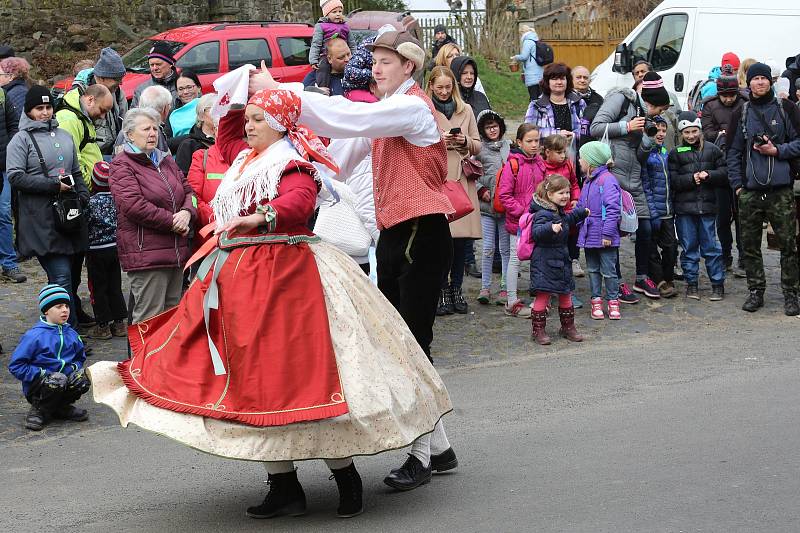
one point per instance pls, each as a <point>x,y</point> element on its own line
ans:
<point>276,362</point>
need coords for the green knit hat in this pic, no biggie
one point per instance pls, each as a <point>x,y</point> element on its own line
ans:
<point>596,153</point>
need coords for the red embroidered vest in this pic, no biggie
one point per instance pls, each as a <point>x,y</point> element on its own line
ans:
<point>408,179</point>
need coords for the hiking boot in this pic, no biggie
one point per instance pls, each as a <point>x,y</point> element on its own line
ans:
<point>519,309</point>
<point>458,302</point>
<point>648,288</point>
<point>538,323</point>
<point>119,329</point>
<point>626,295</point>
<point>754,300</point>
<point>790,305</point>
<point>667,289</point>
<point>350,491</point>
<point>445,306</point>
<point>100,332</point>
<point>613,310</point>
<point>577,271</point>
<point>597,309</point>
<point>72,413</point>
<point>13,275</point>
<point>484,296</point>
<point>502,297</point>
<point>568,331</point>
<point>35,419</point>
<point>692,292</point>
<point>285,497</point>
<point>409,476</point>
<point>717,293</point>
<point>577,303</point>
<point>472,271</point>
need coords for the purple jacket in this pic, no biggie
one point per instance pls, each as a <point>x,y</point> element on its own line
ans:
<point>594,229</point>
<point>540,112</point>
<point>147,194</point>
<point>516,193</point>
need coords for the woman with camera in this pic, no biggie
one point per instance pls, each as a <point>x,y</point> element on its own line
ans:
<point>42,165</point>
<point>460,134</point>
<point>625,120</point>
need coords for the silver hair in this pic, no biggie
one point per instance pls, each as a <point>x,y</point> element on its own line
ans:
<point>133,115</point>
<point>204,105</point>
<point>156,97</point>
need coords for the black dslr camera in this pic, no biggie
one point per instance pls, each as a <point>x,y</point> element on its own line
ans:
<point>650,127</point>
<point>760,139</point>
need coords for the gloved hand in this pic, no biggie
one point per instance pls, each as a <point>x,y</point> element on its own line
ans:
<point>79,381</point>
<point>55,380</point>
<point>84,76</point>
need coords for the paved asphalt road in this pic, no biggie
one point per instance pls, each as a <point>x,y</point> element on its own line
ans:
<point>682,417</point>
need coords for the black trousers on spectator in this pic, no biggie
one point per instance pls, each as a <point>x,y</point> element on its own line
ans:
<point>727,213</point>
<point>49,398</point>
<point>664,252</point>
<point>534,91</point>
<point>105,278</point>
<point>413,257</point>
<point>76,270</point>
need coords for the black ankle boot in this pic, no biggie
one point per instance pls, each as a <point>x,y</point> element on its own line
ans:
<point>754,301</point>
<point>285,497</point>
<point>460,305</point>
<point>350,490</point>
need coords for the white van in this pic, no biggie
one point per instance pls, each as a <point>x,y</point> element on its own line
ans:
<point>685,39</point>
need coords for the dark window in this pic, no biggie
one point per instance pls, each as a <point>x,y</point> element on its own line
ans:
<point>136,59</point>
<point>667,48</point>
<point>294,50</point>
<point>244,51</point>
<point>202,59</point>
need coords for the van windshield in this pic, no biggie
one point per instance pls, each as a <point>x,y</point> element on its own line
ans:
<point>660,42</point>
<point>136,59</point>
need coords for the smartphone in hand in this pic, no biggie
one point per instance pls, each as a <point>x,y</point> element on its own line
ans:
<point>455,131</point>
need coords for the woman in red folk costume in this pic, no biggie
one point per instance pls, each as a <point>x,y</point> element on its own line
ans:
<point>281,349</point>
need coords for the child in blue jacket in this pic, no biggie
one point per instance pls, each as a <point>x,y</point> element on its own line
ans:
<point>49,362</point>
<point>655,182</point>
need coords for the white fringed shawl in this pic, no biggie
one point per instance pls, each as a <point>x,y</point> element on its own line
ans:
<point>259,180</point>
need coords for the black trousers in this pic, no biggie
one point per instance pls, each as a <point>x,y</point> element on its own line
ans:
<point>534,91</point>
<point>727,213</point>
<point>50,397</point>
<point>105,278</point>
<point>76,270</point>
<point>663,252</point>
<point>413,257</point>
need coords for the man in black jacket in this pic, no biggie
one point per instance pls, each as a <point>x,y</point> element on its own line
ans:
<point>440,38</point>
<point>792,73</point>
<point>764,137</point>
<point>8,257</point>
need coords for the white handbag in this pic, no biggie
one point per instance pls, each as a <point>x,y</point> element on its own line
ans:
<point>338,222</point>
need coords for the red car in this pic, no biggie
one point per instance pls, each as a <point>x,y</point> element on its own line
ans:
<point>211,49</point>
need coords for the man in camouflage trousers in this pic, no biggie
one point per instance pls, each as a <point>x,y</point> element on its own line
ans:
<point>765,136</point>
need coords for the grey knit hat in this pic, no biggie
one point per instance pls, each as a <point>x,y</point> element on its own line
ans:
<point>109,65</point>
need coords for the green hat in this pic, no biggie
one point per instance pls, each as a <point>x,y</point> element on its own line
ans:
<point>596,153</point>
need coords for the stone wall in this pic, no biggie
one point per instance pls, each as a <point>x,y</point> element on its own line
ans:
<point>34,27</point>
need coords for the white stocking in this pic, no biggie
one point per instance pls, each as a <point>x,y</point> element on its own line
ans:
<point>338,464</point>
<point>439,442</point>
<point>421,449</point>
<point>279,467</point>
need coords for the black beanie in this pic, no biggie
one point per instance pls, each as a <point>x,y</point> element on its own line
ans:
<point>162,51</point>
<point>37,95</point>
<point>759,69</point>
<point>653,91</point>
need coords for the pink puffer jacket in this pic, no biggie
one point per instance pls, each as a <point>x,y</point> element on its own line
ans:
<point>516,193</point>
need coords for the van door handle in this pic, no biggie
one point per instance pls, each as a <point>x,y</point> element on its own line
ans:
<point>678,82</point>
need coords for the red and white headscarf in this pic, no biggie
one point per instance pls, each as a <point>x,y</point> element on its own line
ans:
<point>281,111</point>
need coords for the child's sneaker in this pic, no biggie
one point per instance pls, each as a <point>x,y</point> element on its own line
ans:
<point>626,295</point>
<point>484,296</point>
<point>648,288</point>
<point>577,303</point>
<point>577,271</point>
<point>717,293</point>
<point>692,292</point>
<point>502,297</point>
<point>613,310</point>
<point>518,309</point>
<point>597,309</point>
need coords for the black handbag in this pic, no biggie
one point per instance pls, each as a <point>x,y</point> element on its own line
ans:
<point>67,207</point>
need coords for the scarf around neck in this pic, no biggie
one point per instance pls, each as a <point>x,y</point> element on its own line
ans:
<point>446,108</point>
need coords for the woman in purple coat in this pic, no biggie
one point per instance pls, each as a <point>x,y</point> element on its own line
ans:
<point>155,212</point>
<point>599,234</point>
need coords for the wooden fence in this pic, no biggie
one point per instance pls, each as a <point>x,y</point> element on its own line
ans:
<point>455,24</point>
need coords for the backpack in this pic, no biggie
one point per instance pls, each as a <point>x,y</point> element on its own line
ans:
<point>628,220</point>
<point>695,102</point>
<point>794,164</point>
<point>525,244</point>
<point>543,55</point>
<point>496,204</point>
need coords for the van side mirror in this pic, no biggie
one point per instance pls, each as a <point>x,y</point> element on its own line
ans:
<point>623,59</point>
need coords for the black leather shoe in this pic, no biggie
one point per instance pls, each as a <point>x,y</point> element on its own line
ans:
<point>35,420</point>
<point>444,461</point>
<point>409,476</point>
<point>460,305</point>
<point>285,497</point>
<point>350,491</point>
<point>790,304</point>
<point>754,301</point>
<point>472,270</point>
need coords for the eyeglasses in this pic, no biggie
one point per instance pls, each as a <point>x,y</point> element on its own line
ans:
<point>187,88</point>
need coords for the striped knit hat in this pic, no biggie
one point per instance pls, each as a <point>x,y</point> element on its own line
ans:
<point>51,295</point>
<point>100,176</point>
<point>162,51</point>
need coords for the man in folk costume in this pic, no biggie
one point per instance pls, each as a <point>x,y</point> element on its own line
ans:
<point>409,162</point>
<point>281,350</point>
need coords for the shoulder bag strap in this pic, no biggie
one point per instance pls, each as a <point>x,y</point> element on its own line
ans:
<point>38,154</point>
